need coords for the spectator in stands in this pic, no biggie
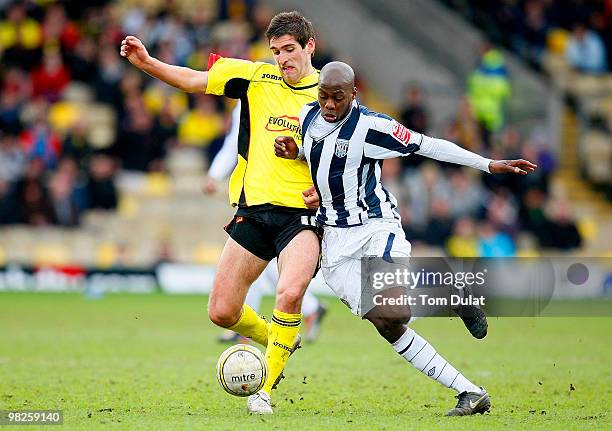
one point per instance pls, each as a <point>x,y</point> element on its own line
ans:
<point>20,37</point>
<point>492,243</point>
<point>32,199</point>
<point>101,188</point>
<point>502,213</point>
<point>585,50</point>
<point>560,230</point>
<point>414,112</point>
<point>82,60</point>
<point>463,242</point>
<point>467,195</point>
<point>488,91</point>
<point>58,30</point>
<point>64,209</point>
<point>423,186</point>
<point>12,158</point>
<point>202,125</point>
<point>110,71</point>
<point>464,130</point>
<point>39,140</point>
<point>534,29</point>
<point>8,206</point>
<point>439,226</point>
<point>51,77</point>
<point>137,146</point>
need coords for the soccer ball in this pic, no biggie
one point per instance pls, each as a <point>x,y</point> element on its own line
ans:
<point>242,370</point>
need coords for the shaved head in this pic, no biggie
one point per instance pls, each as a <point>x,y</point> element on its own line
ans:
<point>336,90</point>
<point>337,73</point>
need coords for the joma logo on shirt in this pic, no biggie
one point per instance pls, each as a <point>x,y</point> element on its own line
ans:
<point>268,76</point>
<point>284,123</point>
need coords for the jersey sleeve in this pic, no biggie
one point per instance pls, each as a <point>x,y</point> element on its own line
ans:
<point>386,139</point>
<point>230,77</point>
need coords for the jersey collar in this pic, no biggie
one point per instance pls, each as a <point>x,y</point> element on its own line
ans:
<point>306,82</point>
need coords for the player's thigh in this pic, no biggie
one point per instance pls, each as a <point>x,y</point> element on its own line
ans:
<point>298,261</point>
<point>344,279</point>
<point>238,268</point>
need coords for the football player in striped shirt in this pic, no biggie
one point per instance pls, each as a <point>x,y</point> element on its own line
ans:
<point>344,145</point>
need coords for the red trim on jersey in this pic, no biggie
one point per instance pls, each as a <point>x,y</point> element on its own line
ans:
<point>212,59</point>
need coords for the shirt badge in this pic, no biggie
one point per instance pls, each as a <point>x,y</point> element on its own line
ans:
<point>341,147</point>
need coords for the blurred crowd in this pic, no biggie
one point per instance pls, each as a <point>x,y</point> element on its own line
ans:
<point>583,28</point>
<point>466,212</point>
<point>59,61</point>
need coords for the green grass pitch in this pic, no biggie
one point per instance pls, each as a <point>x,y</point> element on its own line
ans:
<point>148,362</point>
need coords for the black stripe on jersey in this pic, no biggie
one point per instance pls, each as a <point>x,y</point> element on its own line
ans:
<point>236,88</point>
<point>336,170</point>
<point>315,159</point>
<point>308,118</point>
<point>244,129</point>
<point>364,162</point>
<point>384,140</point>
<point>305,87</point>
<point>244,140</point>
<point>372,201</point>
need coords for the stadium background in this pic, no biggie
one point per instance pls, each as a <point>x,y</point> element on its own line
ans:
<point>101,167</point>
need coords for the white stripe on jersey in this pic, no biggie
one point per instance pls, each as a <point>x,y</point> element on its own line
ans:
<point>346,167</point>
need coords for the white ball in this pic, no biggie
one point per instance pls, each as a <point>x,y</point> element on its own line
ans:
<point>242,370</point>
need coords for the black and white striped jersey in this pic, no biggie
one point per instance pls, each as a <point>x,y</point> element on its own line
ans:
<point>345,160</point>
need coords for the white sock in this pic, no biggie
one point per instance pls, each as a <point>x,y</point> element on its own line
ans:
<point>310,304</point>
<point>416,350</point>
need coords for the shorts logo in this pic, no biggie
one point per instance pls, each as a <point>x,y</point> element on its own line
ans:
<point>239,219</point>
<point>401,133</point>
<point>341,147</point>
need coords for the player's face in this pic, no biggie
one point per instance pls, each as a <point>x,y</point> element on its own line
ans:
<point>292,60</point>
<point>335,101</point>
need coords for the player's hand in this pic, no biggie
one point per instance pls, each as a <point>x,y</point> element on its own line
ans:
<point>520,167</point>
<point>311,198</point>
<point>285,147</point>
<point>133,49</point>
<point>210,186</point>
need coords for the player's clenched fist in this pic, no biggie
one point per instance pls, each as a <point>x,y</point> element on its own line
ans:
<point>285,147</point>
<point>133,49</point>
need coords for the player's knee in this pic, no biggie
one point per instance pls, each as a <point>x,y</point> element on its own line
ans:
<point>390,328</point>
<point>222,316</point>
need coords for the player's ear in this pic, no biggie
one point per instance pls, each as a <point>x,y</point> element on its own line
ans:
<point>310,46</point>
<point>354,93</point>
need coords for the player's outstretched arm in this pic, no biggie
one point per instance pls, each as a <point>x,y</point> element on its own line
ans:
<point>183,78</point>
<point>446,151</point>
<point>286,148</point>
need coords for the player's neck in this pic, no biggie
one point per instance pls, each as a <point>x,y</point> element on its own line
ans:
<point>309,71</point>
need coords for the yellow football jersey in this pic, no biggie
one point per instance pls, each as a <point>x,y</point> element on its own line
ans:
<point>269,108</point>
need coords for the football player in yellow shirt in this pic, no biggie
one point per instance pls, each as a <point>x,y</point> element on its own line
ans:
<point>272,219</point>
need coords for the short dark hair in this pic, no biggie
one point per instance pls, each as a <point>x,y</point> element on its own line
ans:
<point>293,24</point>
